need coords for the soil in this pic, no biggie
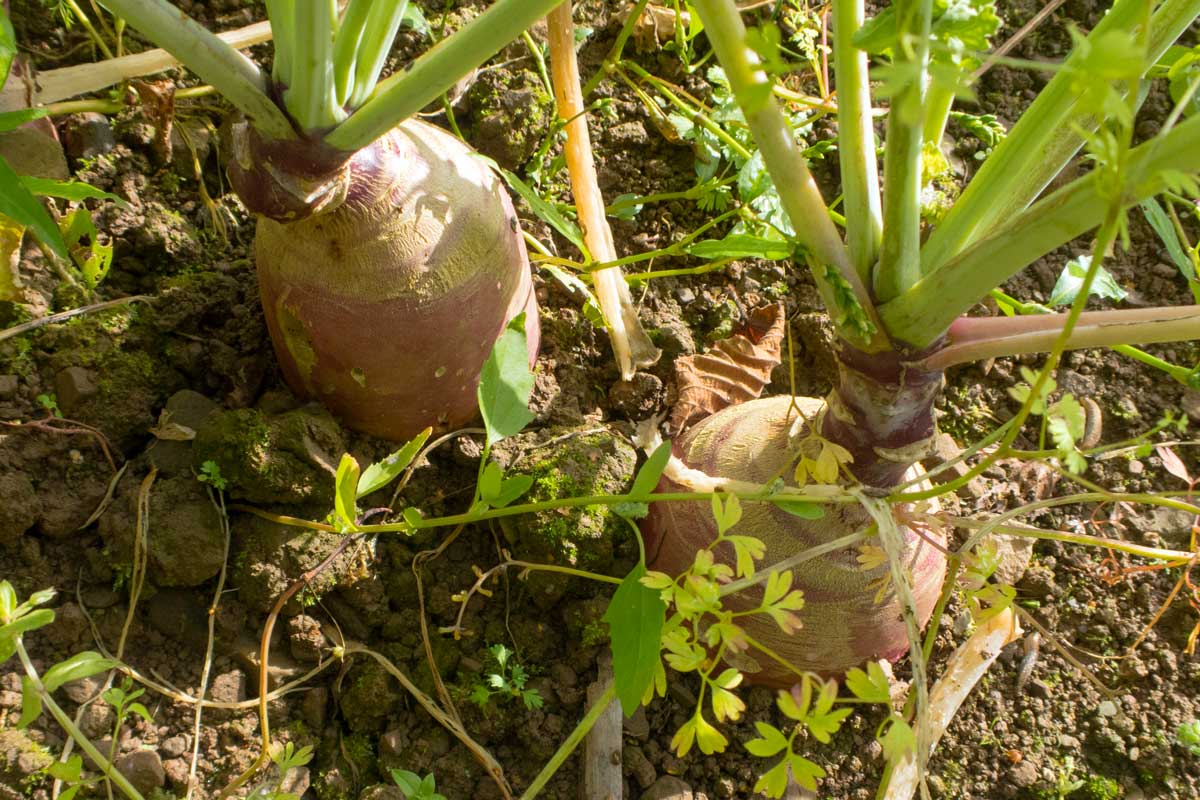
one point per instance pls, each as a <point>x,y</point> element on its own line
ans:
<point>196,347</point>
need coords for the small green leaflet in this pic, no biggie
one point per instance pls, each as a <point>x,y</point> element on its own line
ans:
<point>647,477</point>
<point>548,213</point>
<point>19,204</point>
<point>80,665</point>
<point>742,246</point>
<point>1071,281</point>
<point>506,383</point>
<point>871,686</point>
<point>381,473</point>
<point>635,619</point>
<point>1161,223</point>
<point>498,491</point>
<point>31,702</point>
<point>801,509</point>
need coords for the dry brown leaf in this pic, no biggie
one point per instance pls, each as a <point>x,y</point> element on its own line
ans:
<point>735,370</point>
<point>158,105</point>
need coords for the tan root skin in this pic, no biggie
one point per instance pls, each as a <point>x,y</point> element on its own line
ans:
<point>752,443</point>
<point>386,311</point>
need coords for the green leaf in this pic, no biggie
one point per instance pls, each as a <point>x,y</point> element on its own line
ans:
<point>8,45</point>
<point>805,772</point>
<point>870,686</point>
<point>511,489</point>
<point>635,617</point>
<point>412,516</point>
<point>489,481</point>
<point>548,213</point>
<point>409,782</point>
<point>770,743</point>
<point>506,383</point>
<point>15,119</point>
<point>68,771</point>
<point>8,600</point>
<point>1070,281</point>
<point>898,741</point>
<point>648,476</point>
<point>345,495</point>
<point>801,508</point>
<point>774,782</point>
<point>742,246</point>
<point>1162,226</point>
<point>26,622</point>
<point>18,204</point>
<point>69,190</point>
<point>80,665</point>
<point>31,702</point>
<point>726,514</point>
<point>381,473</point>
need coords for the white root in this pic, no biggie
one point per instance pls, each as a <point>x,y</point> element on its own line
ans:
<point>631,346</point>
<point>964,669</point>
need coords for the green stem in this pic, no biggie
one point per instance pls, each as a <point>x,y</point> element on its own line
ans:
<point>382,24</point>
<point>856,140</point>
<point>310,96</point>
<point>1182,374</point>
<point>438,69</point>
<point>922,313</point>
<point>798,191</point>
<point>346,47</point>
<point>938,102</point>
<point>694,115</point>
<point>234,75</point>
<point>1172,557</point>
<point>282,16</point>
<point>614,55</point>
<point>900,254</point>
<point>1043,141</point>
<point>91,29</point>
<point>68,725</point>
<point>567,747</point>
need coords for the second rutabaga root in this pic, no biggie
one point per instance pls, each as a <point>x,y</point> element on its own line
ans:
<point>631,345</point>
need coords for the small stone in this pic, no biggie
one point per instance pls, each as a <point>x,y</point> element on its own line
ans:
<point>1024,774</point>
<point>668,787</point>
<point>313,707</point>
<point>1107,708</point>
<point>20,508</point>
<point>1136,467</point>
<point>73,387</point>
<point>305,639</point>
<point>643,771</point>
<point>637,398</point>
<point>8,386</point>
<point>295,782</point>
<point>82,689</point>
<point>685,295</point>
<point>88,135</point>
<point>143,769</point>
<point>637,726</point>
<point>174,747</point>
<point>97,719</point>
<point>176,770</point>
<point>229,687</point>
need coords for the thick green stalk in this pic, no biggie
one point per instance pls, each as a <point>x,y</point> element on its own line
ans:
<point>427,78</point>
<point>925,311</point>
<point>282,15</point>
<point>900,254</point>
<point>1042,142</point>
<point>938,102</point>
<point>856,140</point>
<point>346,44</point>
<point>234,75</point>
<point>382,24</point>
<point>310,96</point>
<point>797,190</point>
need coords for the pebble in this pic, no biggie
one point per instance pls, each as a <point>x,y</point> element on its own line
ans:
<point>643,771</point>
<point>305,639</point>
<point>637,726</point>
<point>88,135</point>
<point>1136,467</point>
<point>1024,774</point>
<point>174,747</point>
<point>144,769</point>
<point>72,387</point>
<point>668,787</point>
<point>176,771</point>
<point>8,386</point>
<point>1107,708</point>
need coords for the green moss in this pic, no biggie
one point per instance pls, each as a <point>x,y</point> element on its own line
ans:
<point>1097,787</point>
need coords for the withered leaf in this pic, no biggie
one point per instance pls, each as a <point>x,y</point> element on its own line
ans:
<point>733,371</point>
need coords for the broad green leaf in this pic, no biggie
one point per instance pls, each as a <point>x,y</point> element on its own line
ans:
<point>548,213</point>
<point>80,665</point>
<point>68,771</point>
<point>68,190</point>
<point>409,782</point>
<point>31,702</point>
<point>381,473</point>
<point>345,494</point>
<point>18,204</point>
<point>506,383</point>
<point>8,44</point>
<point>1070,281</point>
<point>647,477</point>
<point>512,489</point>
<point>635,617</point>
<point>489,481</point>
<point>801,508</point>
<point>15,119</point>
<point>412,516</point>
<point>774,782</point>
<point>741,246</point>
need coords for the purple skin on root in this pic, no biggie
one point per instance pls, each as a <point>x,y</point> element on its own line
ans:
<point>385,304</point>
<point>842,625</point>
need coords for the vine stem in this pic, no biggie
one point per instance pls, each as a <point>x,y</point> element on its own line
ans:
<point>631,346</point>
